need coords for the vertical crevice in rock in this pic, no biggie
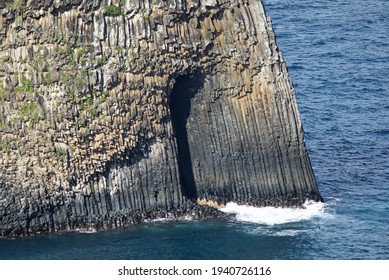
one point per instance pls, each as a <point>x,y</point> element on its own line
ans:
<point>181,96</point>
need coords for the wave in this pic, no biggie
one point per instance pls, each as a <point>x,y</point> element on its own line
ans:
<point>275,216</point>
<point>169,218</point>
<point>85,231</point>
<point>159,220</point>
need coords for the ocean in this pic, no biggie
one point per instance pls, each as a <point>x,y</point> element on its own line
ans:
<point>337,53</point>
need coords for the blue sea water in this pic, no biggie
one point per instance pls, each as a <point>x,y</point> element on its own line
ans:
<point>337,53</point>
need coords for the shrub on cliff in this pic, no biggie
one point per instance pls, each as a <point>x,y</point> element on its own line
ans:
<point>18,5</point>
<point>113,10</point>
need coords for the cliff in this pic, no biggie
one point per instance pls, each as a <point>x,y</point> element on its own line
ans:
<point>118,110</point>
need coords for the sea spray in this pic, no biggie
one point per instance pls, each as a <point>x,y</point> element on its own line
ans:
<point>275,216</point>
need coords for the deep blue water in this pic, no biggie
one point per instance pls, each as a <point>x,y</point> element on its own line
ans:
<point>337,54</point>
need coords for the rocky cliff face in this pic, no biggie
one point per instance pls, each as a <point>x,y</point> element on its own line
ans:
<point>117,110</point>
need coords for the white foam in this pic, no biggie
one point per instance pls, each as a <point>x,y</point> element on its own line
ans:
<point>169,217</point>
<point>85,231</point>
<point>275,216</point>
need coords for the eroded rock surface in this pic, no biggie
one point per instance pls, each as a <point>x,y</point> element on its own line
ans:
<point>116,111</point>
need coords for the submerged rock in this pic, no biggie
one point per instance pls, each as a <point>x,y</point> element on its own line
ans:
<point>114,112</point>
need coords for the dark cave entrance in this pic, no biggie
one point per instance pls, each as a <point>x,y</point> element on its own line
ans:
<point>181,102</point>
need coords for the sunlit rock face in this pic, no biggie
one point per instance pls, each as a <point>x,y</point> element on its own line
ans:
<point>116,111</point>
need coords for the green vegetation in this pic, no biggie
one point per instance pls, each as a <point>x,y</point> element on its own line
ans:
<point>92,113</point>
<point>62,38</point>
<point>62,51</point>
<point>2,92</point>
<point>4,146</point>
<point>103,97</point>
<point>118,48</point>
<point>84,138</point>
<point>84,73</point>
<point>48,79</point>
<point>35,66</point>
<point>82,60</point>
<point>80,54</point>
<point>102,61</point>
<point>60,153</point>
<point>144,14</point>
<point>14,120</point>
<point>26,86</point>
<point>31,111</point>
<point>2,122</point>
<point>40,61</point>
<point>79,80</point>
<point>28,109</point>
<point>39,160</point>
<point>65,78</point>
<point>69,58</point>
<point>89,101</point>
<point>114,10</point>
<point>18,5</point>
<point>70,93</point>
<point>34,118</point>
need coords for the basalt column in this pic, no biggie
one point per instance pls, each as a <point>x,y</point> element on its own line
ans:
<point>230,149</point>
<point>115,111</point>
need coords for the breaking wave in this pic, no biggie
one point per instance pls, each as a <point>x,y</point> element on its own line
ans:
<point>275,216</point>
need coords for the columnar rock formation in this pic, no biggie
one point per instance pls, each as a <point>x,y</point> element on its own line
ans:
<point>117,110</point>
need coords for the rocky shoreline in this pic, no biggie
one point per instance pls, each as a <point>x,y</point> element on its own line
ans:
<point>127,219</point>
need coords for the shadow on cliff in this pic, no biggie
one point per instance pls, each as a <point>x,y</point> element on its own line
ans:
<point>181,102</point>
